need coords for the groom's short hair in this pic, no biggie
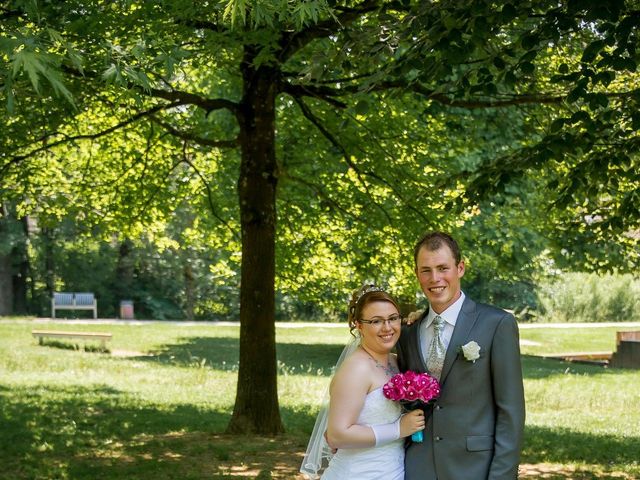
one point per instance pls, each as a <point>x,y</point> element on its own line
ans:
<point>433,241</point>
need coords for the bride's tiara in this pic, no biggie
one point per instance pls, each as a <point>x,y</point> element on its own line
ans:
<point>369,289</point>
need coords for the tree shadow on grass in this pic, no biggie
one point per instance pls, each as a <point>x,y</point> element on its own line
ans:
<point>71,345</point>
<point>535,368</point>
<point>102,433</point>
<point>221,353</point>
<point>544,445</point>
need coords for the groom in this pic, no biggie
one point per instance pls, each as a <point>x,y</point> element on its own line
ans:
<point>476,425</point>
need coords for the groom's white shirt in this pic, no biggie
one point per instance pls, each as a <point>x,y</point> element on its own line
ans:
<point>450,316</point>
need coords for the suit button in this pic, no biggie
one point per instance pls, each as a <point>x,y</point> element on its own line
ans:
<point>438,439</point>
<point>438,407</point>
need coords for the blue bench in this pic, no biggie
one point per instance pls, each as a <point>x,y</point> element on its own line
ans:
<point>74,301</point>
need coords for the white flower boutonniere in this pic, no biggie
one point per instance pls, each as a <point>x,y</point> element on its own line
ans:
<point>471,351</point>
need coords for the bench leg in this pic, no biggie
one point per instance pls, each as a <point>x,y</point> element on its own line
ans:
<point>40,340</point>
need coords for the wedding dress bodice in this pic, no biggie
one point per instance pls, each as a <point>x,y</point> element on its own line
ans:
<point>385,462</point>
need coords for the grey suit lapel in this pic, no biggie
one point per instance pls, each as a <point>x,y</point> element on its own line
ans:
<point>465,322</point>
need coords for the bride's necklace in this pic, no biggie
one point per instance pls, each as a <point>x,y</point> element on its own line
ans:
<point>388,368</point>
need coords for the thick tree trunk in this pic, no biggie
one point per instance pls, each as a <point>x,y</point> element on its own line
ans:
<point>21,255</point>
<point>256,408</point>
<point>49,261</point>
<point>6,281</point>
<point>6,286</point>
<point>124,273</point>
<point>189,289</point>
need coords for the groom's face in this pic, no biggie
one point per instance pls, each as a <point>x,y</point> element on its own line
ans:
<point>439,276</point>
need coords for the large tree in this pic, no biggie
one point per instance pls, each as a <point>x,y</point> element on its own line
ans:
<point>354,109</point>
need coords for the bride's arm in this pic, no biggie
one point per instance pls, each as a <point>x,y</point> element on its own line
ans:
<point>349,389</point>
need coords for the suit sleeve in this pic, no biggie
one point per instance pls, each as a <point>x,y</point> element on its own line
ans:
<point>401,349</point>
<point>508,392</point>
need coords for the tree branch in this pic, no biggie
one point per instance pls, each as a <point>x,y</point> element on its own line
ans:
<point>186,160</point>
<point>202,25</point>
<point>291,43</point>
<point>186,98</point>
<point>92,136</point>
<point>7,14</point>
<point>321,93</point>
<point>194,138</point>
<point>328,93</point>
<point>317,190</point>
<point>315,121</point>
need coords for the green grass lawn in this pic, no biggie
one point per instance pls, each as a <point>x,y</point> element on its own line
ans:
<point>155,407</point>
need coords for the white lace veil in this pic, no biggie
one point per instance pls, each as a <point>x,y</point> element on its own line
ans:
<point>318,452</point>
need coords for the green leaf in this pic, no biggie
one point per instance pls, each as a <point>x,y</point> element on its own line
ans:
<point>529,41</point>
<point>527,68</point>
<point>508,12</point>
<point>510,78</point>
<point>580,116</point>
<point>30,63</point>
<point>557,125</point>
<point>362,107</point>
<point>575,94</point>
<point>592,50</point>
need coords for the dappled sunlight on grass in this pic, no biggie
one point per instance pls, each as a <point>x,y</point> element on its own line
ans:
<point>92,429</point>
<point>156,407</point>
<point>553,471</point>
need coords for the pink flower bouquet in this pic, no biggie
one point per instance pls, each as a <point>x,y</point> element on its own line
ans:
<point>413,390</point>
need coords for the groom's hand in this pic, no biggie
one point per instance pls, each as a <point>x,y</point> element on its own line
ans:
<point>413,316</point>
<point>326,439</point>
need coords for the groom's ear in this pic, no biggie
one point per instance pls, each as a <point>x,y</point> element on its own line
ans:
<point>460,269</point>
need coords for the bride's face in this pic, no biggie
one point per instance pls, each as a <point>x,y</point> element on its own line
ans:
<point>380,326</point>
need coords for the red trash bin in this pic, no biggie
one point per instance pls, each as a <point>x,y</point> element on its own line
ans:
<point>126,309</point>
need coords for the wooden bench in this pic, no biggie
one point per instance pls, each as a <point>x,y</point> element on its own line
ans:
<point>42,334</point>
<point>596,358</point>
<point>627,354</point>
<point>74,301</point>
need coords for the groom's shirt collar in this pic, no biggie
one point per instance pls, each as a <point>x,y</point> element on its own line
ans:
<point>450,315</point>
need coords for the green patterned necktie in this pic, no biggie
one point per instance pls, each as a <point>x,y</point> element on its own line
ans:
<point>435,360</point>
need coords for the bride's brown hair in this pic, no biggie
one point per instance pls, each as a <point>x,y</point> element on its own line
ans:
<point>363,296</point>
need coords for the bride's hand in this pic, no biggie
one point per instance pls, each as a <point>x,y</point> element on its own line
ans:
<point>411,423</point>
<point>413,316</point>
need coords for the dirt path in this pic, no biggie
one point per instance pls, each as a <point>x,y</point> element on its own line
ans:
<point>280,459</point>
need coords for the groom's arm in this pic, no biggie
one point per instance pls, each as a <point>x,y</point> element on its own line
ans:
<point>403,347</point>
<point>508,394</point>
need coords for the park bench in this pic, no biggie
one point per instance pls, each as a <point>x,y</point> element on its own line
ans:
<point>42,334</point>
<point>74,301</point>
<point>627,354</point>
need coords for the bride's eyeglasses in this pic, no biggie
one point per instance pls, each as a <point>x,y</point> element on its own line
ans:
<point>377,322</point>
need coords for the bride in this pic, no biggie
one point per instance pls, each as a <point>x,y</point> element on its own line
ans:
<point>364,426</point>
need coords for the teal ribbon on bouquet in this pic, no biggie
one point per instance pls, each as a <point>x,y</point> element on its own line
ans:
<point>413,391</point>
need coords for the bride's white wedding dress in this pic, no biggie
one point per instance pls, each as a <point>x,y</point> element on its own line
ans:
<point>385,462</point>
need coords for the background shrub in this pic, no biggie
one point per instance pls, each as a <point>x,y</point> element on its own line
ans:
<point>588,297</point>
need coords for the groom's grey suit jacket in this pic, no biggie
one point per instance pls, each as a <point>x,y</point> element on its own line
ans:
<point>476,426</point>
